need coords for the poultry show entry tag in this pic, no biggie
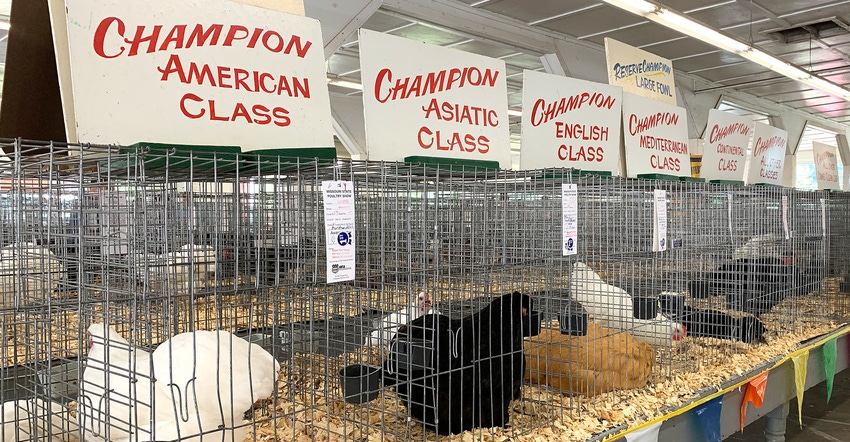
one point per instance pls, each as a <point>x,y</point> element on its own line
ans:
<point>569,205</point>
<point>338,197</point>
<point>659,221</point>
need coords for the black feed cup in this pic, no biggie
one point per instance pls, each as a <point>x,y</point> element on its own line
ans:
<point>359,383</point>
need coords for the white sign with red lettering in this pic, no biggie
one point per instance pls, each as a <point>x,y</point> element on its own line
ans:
<point>656,137</point>
<point>568,122</point>
<point>768,156</point>
<point>205,72</point>
<point>726,139</point>
<point>826,166</point>
<point>640,72</point>
<point>426,100</point>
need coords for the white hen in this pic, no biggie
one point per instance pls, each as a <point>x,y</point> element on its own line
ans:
<point>612,307</point>
<point>194,398</point>
<point>36,420</point>
<point>115,393</point>
<point>30,270</point>
<point>213,377</point>
<point>387,329</point>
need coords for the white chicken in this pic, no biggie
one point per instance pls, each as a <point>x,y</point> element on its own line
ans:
<point>202,383</point>
<point>184,269</point>
<point>612,307</point>
<point>760,246</point>
<point>29,270</point>
<point>388,327</point>
<point>213,377</point>
<point>37,420</point>
<point>114,402</point>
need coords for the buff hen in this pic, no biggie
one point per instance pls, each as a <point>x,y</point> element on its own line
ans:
<point>602,361</point>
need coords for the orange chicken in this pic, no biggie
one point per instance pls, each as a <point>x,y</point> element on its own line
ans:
<point>601,361</point>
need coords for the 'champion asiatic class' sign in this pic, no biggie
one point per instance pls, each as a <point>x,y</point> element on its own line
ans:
<point>726,139</point>
<point>655,136</point>
<point>568,122</point>
<point>212,72</point>
<point>640,72</point>
<point>426,100</point>
<point>767,161</point>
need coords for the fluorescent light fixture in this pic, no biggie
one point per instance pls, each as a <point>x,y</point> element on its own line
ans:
<point>4,25</point>
<point>514,112</point>
<point>681,23</point>
<point>345,84</point>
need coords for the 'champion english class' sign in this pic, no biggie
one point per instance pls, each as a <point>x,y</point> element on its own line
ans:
<point>426,100</point>
<point>213,72</point>
<point>568,122</point>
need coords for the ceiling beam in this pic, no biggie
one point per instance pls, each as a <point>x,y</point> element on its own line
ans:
<point>477,22</point>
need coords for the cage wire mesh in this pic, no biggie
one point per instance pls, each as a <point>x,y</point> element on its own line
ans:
<point>434,334</point>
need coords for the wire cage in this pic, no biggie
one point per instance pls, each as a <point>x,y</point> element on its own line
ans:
<point>463,315</point>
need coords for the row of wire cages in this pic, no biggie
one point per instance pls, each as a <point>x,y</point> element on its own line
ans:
<point>155,293</point>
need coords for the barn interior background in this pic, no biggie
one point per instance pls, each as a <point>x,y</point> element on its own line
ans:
<point>156,242</point>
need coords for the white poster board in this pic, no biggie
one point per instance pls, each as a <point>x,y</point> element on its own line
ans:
<point>426,100</point>
<point>655,136</point>
<point>206,72</point>
<point>726,139</point>
<point>568,122</point>
<point>768,158</point>
<point>640,72</point>
<point>826,166</point>
<point>338,199</point>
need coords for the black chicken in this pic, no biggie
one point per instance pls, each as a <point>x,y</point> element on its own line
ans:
<point>716,324</point>
<point>752,285</point>
<point>472,372</point>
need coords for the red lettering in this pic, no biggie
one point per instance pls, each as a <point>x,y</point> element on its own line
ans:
<point>384,75</point>
<point>185,111</point>
<point>139,38</point>
<point>232,34</point>
<point>100,36</point>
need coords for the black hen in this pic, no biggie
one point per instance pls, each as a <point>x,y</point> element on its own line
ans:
<point>716,324</point>
<point>474,371</point>
<point>752,285</point>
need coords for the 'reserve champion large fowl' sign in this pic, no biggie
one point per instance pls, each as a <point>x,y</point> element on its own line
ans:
<point>425,100</point>
<point>655,136</point>
<point>213,72</point>
<point>568,122</point>
<point>640,72</point>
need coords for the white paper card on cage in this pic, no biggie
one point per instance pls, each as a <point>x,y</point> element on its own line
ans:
<point>826,166</point>
<point>338,198</point>
<point>727,137</point>
<point>569,205</point>
<point>768,158</point>
<point>659,221</point>
<point>785,217</point>
<point>823,215</point>
<point>570,123</point>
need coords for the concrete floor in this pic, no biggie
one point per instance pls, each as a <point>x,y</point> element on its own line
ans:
<point>821,421</point>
